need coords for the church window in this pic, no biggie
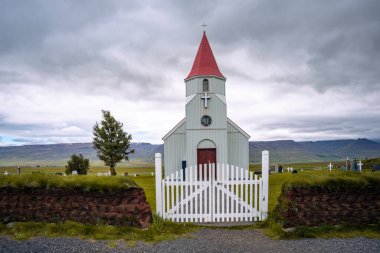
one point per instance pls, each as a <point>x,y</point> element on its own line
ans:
<point>205,85</point>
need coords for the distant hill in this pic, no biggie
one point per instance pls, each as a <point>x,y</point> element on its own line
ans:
<point>58,154</point>
<point>284,151</point>
<point>315,151</point>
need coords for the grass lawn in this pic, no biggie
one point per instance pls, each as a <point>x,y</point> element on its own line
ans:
<point>159,230</point>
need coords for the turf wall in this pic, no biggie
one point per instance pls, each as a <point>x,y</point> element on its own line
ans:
<point>124,207</point>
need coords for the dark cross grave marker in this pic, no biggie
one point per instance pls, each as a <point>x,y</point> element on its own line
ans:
<point>375,167</point>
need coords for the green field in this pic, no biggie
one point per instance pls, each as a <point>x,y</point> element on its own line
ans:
<point>143,170</point>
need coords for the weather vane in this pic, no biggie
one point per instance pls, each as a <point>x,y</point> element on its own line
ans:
<point>204,26</point>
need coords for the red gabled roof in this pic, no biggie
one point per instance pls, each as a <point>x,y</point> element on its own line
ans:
<point>204,63</point>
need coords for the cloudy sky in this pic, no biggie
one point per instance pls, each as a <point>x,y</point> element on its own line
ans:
<point>302,70</point>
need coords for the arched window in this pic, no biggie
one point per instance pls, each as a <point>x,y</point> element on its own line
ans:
<point>205,85</point>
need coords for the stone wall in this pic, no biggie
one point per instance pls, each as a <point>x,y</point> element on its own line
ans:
<point>320,205</point>
<point>127,207</point>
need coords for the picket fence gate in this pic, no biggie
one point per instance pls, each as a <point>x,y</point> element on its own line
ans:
<point>212,193</point>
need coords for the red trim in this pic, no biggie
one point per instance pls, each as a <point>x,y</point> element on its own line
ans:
<point>205,63</point>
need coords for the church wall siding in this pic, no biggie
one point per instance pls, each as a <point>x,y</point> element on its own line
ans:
<point>219,86</point>
<point>216,109</point>
<point>216,85</point>
<point>174,152</point>
<point>191,87</point>
<point>238,148</point>
<point>181,129</point>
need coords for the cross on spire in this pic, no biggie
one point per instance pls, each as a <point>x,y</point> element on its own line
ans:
<point>204,27</point>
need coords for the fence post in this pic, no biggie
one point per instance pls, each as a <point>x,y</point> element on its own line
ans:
<point>158,167</point>
<point>265,177</point>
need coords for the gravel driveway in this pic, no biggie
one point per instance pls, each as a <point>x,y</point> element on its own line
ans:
<point>205,240</point>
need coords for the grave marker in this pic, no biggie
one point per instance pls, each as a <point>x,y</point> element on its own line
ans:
<point>354,165</point>
<point>360,164</point>
<point>375,167</point>
<point>330,166</point>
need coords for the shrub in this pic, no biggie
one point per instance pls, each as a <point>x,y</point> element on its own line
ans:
<point>78,163</point>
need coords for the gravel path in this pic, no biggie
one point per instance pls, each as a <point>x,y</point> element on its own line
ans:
<point>205,240</point>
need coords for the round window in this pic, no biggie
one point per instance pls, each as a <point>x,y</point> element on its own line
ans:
<point>206,120</point>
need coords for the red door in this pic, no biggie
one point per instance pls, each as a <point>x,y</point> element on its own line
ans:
<point>205,156</point>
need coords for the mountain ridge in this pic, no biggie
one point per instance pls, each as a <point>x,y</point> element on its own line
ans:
<point>283,151</point>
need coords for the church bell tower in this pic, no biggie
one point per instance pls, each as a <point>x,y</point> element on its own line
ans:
<point>206,109</point>
<point>205,135</point>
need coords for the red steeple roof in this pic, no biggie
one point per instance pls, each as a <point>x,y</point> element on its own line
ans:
<point>204,63</point>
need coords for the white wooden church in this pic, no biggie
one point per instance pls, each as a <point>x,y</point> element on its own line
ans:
<point>205,135</point>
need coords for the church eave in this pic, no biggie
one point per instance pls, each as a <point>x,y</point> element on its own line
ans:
<point>174,129</point>
<point>238,128</point>
<point>204,76</point>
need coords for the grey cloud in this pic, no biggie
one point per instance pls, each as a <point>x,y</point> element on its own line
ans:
<point>66,48</point>
<point>137,49</point>
<point>338,41</point>
<point>26,24</point>
<point>27,140</point>
<point>356,125</point>
<point>5,126</point>
<point>7,77</point>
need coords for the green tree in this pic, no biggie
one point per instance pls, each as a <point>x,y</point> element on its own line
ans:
<point>111,142</point>
<point>78,163</point>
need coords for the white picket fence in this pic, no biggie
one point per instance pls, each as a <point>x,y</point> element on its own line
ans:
<point>222,193</point>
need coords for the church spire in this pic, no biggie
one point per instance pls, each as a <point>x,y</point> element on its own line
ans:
<point>204,63</point>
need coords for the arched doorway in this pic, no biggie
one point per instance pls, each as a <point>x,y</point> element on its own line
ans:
<point>206,154</point>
